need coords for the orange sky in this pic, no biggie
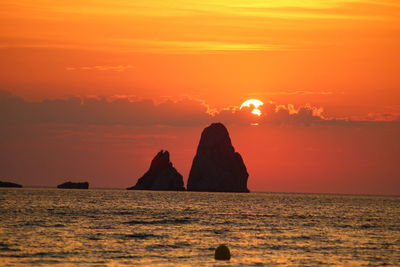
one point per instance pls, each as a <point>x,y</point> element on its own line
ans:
<point>338,55</point>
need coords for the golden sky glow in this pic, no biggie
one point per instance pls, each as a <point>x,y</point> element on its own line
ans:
<point>183,26</point>
<point>240,49</point>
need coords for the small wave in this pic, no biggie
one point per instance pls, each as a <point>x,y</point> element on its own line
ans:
<point>60,213</point>
<point>224,223</point>
<point>124,213</point>
<point>61,255</point>
<point>310,224</point>
<point>367,226</point>
<point>172,221</point>
<point>290,247</point>
<point>168,246</point>
<point>332,248</point>
<point>94,238</point>
<point>128,257</point>
<point>34,223</point>
<point>257,216</point>
<point>220,231</point>
<point>101,227</point>
<point>344,226</point>
<point>302,237</point>
<point>393,228</point>
<point>40,262</point>
<point>5,247</point>
<point>54,254</point>
<point>297,216</point>
<point>279,247</point>
<point>139,236</point>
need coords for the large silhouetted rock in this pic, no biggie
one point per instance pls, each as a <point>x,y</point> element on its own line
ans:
<point>161,175</point>
<point>9,184</point>
<point>71,185</point>
<point>216,166</point>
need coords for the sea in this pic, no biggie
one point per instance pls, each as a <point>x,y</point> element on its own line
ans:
<point>99,227</point>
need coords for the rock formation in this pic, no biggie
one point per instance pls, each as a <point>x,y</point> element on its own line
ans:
<point>71,185</point>
<point>9,184</point>
<point>216,166</point>
<point>161,175</point>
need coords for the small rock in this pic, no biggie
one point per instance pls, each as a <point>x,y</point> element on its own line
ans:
<point>9,184</point>
<point>71,185</point>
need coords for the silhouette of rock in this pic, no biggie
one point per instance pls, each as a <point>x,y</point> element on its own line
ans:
<point>216,166</point>
<point>9,184</point>
<point>161,175</point>
<point>71,185</point>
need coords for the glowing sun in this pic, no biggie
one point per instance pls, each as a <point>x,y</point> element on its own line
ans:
<point>255,103</point>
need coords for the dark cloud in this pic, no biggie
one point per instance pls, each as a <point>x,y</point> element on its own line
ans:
<point>102,111</point>
<point>185,112</point>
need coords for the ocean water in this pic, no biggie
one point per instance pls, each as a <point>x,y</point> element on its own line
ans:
<point>120,227</point>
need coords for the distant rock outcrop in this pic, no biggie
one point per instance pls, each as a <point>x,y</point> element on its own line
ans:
<point>71,185</point>
<point>216,166</point>
<point>9,184</point>
<point>161,175</point>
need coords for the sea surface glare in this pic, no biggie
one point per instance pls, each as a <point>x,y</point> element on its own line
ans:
<point>120,227</point>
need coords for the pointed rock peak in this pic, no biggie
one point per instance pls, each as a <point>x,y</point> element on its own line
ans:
<point>161,175</point>
<point>161,160</point>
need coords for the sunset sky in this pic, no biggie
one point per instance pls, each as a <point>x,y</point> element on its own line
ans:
<point>92,90</point>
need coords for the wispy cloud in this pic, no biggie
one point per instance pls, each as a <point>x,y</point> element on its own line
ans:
<point>118,68</point>
<point>310,9</point>
<point>183,47</point>
<point>151,46</point>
